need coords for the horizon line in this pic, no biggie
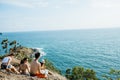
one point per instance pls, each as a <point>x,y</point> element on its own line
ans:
<point>60,30</point>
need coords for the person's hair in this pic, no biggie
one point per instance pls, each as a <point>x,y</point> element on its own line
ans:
<point>23,60</point>
<point>41,63</point>
<point>37,55</point>
<point>11,54</point>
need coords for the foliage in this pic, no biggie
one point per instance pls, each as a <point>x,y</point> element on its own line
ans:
<point>14,45</point>
<point>21,56</point>
<point>7,44</point>
<point>49,65</point>
<point>79,73</point>
<point>4,45</point>
<point>113,75</point>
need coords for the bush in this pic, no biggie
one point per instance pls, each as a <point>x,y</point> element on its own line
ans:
<point>79,73</point>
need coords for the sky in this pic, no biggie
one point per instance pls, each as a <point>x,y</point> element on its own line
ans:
<point>40,15</point>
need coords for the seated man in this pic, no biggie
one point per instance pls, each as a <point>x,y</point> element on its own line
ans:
<point>35,67</point>
<point>6,63</point>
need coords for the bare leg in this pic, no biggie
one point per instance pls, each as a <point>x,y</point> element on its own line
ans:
<point>50,73</point>
<point>14,70</point>
<point>8,70</point>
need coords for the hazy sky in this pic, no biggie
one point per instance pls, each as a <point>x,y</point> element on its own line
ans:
<point>30,15</point>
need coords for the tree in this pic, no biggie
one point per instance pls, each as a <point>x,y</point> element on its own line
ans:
<point>79,73</point>
<point>4,44</point>
<point>14,44</point>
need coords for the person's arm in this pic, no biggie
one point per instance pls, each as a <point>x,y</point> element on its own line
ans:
<point>9,61</point>
<point>44,66</point>
<point>19,68</point>
<point>28,68</point>
<point>39,67</point>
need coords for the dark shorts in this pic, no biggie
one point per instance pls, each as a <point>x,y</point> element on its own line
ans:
<point>32,75</point>
<point>3,66</point>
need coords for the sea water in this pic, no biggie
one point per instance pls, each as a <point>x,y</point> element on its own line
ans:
<point>97,49</point>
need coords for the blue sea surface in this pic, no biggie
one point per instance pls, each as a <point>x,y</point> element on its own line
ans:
<point>98,49</point>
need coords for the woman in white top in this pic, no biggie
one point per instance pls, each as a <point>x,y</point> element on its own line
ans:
<point>6,63</point>
<point>43,69</point>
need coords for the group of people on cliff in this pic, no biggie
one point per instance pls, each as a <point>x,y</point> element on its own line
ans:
<point>35,68</point>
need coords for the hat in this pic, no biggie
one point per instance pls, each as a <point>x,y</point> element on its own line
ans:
<point>43,61</point>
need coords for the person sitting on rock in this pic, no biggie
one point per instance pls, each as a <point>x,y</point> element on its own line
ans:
<point>35,67</point>
<point>6,63</point>
<point>24,67</point>
<point>43,68</point>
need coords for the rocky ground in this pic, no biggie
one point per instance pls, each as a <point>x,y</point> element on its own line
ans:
<point>4,75</point>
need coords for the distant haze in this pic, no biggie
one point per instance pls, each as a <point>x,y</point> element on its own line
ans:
<point>37,15</point>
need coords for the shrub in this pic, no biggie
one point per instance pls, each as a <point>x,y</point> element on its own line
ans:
<point>79,73</point>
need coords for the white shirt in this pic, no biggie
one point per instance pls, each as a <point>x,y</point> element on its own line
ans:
<point>6,59</point>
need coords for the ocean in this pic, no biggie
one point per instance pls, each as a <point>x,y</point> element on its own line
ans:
<point>97,49</point>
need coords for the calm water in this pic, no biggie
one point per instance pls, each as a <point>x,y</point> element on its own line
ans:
<point>95,49</point>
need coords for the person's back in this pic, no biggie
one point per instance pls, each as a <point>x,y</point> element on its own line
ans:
<point>6,62</point>
<point>24,67</point>
<point>35,67</point>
